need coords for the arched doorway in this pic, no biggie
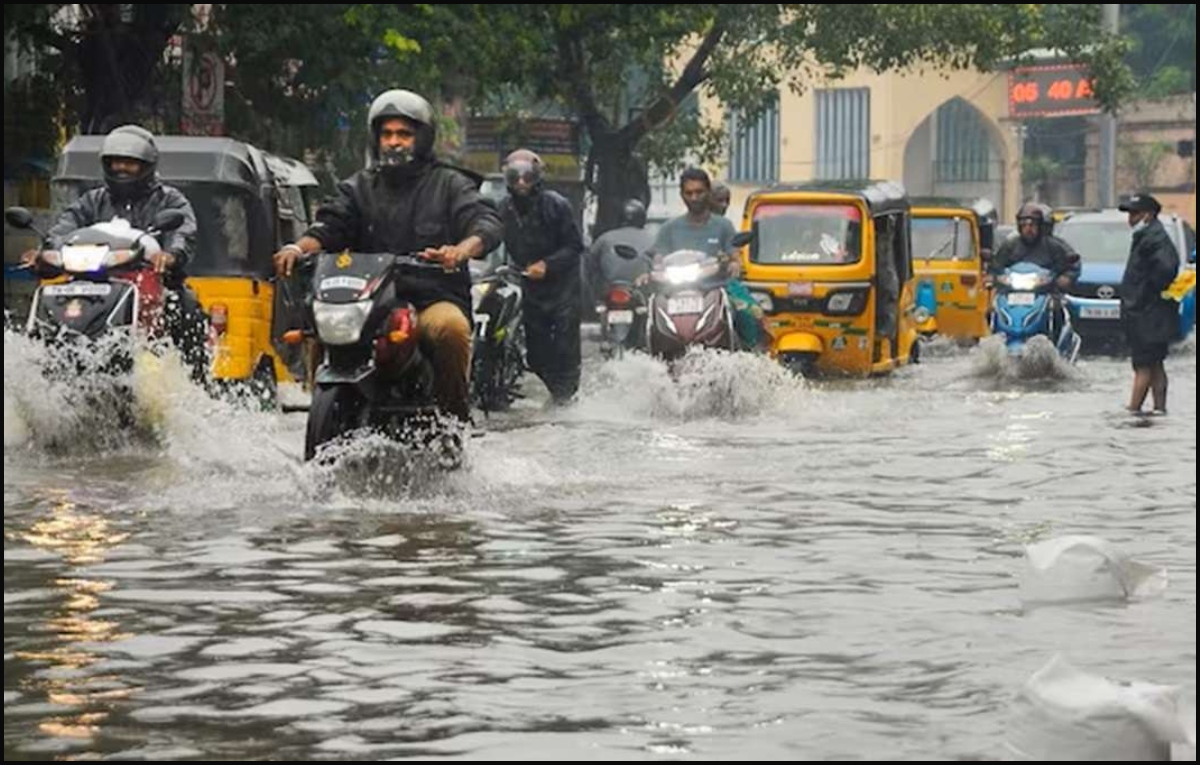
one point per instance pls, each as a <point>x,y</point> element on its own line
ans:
<point>956,152</point>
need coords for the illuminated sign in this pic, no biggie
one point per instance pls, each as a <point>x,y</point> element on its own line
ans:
<point>1050,91</point>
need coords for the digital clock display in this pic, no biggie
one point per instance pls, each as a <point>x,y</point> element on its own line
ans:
<point>1050,91</point>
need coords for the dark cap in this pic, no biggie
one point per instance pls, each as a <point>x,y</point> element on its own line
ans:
<point>1141,203</point>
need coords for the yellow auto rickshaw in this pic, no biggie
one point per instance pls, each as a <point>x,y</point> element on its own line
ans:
<point>247,203</point>
<point>951,243</point>
<point>831,266</point>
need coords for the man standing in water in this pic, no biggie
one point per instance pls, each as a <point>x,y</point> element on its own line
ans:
<point>1151,320</point>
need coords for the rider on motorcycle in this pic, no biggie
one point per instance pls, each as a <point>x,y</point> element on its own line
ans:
<point>133,191</point>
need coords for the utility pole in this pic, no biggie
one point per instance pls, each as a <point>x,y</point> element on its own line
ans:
<point>1107,179</point>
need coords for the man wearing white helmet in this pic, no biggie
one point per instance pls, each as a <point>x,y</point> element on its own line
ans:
<point>404,201</point>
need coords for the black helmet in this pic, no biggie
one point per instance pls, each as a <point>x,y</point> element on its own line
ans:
<point>1038,213</point>
<point>410,106</point>
<point>633,213</point>
<point>129,142</point>
<point>523,165</point>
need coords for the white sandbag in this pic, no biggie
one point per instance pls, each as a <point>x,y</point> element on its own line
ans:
<point>1063,714</point>
<point>1078,569</point>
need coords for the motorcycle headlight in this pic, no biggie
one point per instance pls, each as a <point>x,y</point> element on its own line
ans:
<point>341,323</point>
<point>83,258</point>
<point>683,274</point>
<point>1025,282</point>
<point>479,291</point>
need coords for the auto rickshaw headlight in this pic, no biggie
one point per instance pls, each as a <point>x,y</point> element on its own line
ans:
<point>846,303</point>
<point>921,314</point>
<point>764,301</point>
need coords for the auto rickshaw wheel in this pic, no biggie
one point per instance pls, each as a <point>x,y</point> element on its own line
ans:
<point>801,364</point>
<point>263,387</point>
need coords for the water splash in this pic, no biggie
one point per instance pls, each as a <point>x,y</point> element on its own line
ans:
<point>704,384</point>
<point>1038,362</point>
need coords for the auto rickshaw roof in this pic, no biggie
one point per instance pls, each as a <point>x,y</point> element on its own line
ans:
<point>180,159</point>
<point>880,196</point>
<point>290,172</point>
<point>983,208</point>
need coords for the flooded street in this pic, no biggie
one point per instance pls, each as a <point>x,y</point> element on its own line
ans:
<point>730,565</point>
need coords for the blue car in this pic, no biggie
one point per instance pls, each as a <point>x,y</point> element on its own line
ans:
<point>1102,240</point>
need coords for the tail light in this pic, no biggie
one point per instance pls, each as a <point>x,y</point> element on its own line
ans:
<point>400,326</point>
<point>619,296</point>
<point>398,340</point>
<point>218,317</point>
<point>293,336</point>
<point>969,280</point>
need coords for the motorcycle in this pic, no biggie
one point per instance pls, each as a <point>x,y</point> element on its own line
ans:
<point>498,349</point>
<point>1024,307</point>
<point>108,289</point>
<point>689,306</point>
<point>374,373</point>
<point>622,313</point>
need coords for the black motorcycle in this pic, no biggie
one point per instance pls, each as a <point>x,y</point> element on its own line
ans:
<point>374,373</point>
<point>498,351</point>
<point>622,311</point>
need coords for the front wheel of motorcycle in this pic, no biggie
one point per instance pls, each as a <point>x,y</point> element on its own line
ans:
<point>333,413</point>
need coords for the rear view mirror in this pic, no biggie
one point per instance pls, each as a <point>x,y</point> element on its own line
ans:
<point>741,239</point>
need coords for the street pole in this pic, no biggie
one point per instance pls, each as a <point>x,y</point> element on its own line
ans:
<point>1107,179</point>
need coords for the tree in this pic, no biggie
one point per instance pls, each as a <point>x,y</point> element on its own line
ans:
<point>1141,161</point>
<point>583,55</point>
<point>302,76</point>
<point>1038,173</point>
<point>103,59</point>
<point>1163,50</point>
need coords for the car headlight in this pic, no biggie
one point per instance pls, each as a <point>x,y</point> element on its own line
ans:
<point>341,323</point>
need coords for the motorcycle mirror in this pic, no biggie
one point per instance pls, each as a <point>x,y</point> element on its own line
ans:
<point>626,252</point>
<point>741,239</point>
<point>18,217</point>
<point>168,220</point>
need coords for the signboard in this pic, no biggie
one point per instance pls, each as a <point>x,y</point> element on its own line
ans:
<point>203,92</point>
<point>1050,91</point>
<point>490,140</point>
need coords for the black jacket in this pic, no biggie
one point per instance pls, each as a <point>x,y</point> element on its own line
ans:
<point>547,231</point>
<point>437,205</point>
<point>98,206</point>
<point>1153,264</point>
<point>1049,252</point>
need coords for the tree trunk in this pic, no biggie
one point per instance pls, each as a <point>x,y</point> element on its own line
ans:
<point>618,177</point>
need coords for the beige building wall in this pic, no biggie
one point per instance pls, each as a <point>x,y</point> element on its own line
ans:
<point>902,136</point>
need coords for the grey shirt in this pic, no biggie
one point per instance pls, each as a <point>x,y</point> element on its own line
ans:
<point>712,237</point>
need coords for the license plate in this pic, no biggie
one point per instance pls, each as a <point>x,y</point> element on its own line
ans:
<point>800,289</point>
<point>77,289</point>
<point>1021,298</point>
<point>685,304</point>
<point>343,283</point>
<point>621,317</point>
<point>1100,312</point>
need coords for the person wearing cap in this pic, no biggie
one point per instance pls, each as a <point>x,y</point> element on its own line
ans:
<point>133,191</point>
<point>407,201</point>
<point>542,237</point>
<point>1150,319</point>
